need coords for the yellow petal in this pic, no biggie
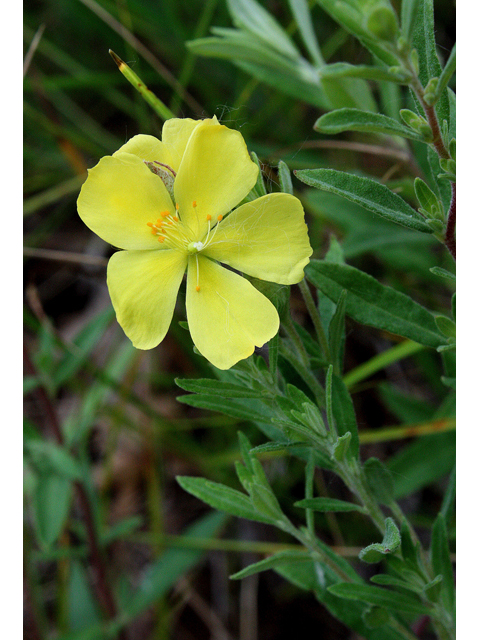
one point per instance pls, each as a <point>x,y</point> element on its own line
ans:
<point>143,286</point>
<point>266,238</point>
<point>227,316</point>
<point>119,197</point>
<point>216,173</point>
<point>147,148</point>
<point>175,135</point>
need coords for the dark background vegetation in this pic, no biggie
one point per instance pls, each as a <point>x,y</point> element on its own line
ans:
<point>137,437</point>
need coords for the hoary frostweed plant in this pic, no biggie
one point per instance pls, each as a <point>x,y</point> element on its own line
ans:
<point>196,202</point>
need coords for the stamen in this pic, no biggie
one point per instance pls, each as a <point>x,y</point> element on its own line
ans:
<point>220,218</point>
<point>209,217</point>
<point>194,204</point>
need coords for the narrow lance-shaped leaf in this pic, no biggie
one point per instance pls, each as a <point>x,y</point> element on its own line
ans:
<point>374,304</point>
<point>368,193</point>
<point>364,121</point>
<point>213,387</point>
<point>281,558</point>
<point>328,504</point>
<point>303,19</point>
<point>221,497</point>
<point>346,70</point>
<point>392,600</point>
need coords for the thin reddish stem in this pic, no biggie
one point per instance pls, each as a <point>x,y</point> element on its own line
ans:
<point>450,241</point>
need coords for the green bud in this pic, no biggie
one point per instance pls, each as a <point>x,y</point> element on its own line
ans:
<point>340,448</point>
<point>414,60</point>
<point>452,148</point>
<point>446,325</point>
<point>437,225</point>
<point>410,118</point>
<point>433,589</point>
<point>426,131</point>
<point>402,45</point>
<point>402,74</point>
<point>430,96</point>
<point>382,23</point>
<point>430,205</point>
<point>448,165</point>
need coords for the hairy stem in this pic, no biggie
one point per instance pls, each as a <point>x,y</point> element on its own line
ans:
<point>315,316</point>
<point>450,241</point>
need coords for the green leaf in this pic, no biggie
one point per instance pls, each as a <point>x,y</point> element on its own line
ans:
<point>161,576</point>
<point>379,480</point>
<point>441,563</point>
<point>53,458</point>
<point>392,600</point>
<point>341,446</point>
<point>51,505</point>
<point>375,617</point>
<point>221,497</point>
<point>328,504</point>
<point>270,447</point>
<point>390,543</point>
<point>336,334</point>
<point>351,18</point>
<point>209,386</point>
<point>250,15</point>
<point>344,414</point>
<point>231,408</point>
<point>409,11</point>
<point>422,462</point>
<point>374,304</point>
<point>260,184</point>
<point>84,343</point>
<point>301,13</point>
<point>381,74</point>
<point>448,504</point>
<point>368,193</point>
<point>447,326</point>
<point>364,121</point>
<point>448,71</point>
<point>272,562</point>
<point>391,581</point>
<point>443,273</point>
<point>285,177</point>
<point>423,39</point>
<point>409,547</point>
<point>83,607</point>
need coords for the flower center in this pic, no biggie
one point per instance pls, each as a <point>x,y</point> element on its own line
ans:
<point>170,229</point>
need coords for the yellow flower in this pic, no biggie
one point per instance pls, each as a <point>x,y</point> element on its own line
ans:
<point>169,204</point>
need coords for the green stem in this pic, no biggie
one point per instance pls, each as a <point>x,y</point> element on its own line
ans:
<point>382,360</point>
<point>315,316</point>
<point>295,338</point>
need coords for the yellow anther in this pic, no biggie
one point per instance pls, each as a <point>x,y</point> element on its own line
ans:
<point>154,232</point>
<point>161,239</point>
<point>197,288</point>
<point>194,204</point>
<point>220,217</point>
<point>165,214</point>
<point>177,206</point>
<point>209,217</point>
<point>149,224</point>
<point>175,218</point>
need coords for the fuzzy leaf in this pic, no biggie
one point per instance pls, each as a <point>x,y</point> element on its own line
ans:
<point>229,408</point>
<point>221,497</point>
<point>374,304</point>
<point>366,192</point>
<point>213,387</point>
<point>364,121</point>
<point>272,562</point>
<point>392,600</point>
<point>328,504</point>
